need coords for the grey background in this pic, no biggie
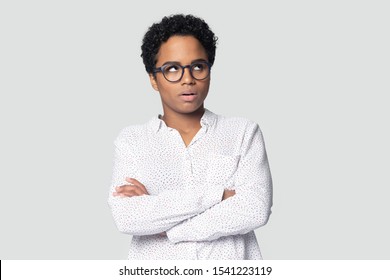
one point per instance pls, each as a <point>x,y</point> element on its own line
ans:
<point>313,74</point>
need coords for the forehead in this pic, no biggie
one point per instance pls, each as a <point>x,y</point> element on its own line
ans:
<point>183,49</point>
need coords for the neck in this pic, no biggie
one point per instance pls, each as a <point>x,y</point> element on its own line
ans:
<point>184,123</point>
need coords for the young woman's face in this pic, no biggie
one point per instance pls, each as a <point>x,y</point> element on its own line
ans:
<point>188,94</point>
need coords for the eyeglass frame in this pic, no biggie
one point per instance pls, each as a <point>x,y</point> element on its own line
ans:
<point>161,69</point>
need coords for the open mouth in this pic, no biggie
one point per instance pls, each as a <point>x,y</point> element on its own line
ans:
<point>188,96</point>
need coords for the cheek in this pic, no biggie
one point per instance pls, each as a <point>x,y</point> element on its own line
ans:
<point>166,89</point>
<point>205,87</point>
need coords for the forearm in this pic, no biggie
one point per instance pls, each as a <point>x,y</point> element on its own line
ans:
<point>240,214</point>
<point>151,214</point>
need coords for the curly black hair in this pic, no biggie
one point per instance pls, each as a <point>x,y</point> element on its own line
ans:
<point>178,24</point>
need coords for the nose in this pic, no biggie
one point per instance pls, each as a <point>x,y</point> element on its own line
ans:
<point>187,77</point>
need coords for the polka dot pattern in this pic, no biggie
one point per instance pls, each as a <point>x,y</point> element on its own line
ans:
<point>186,185</point>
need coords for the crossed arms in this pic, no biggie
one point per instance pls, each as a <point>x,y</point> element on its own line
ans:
<point>190,214</point>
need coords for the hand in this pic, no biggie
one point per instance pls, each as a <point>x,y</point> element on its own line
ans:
<point>228,193</point>
<point>135,188</point>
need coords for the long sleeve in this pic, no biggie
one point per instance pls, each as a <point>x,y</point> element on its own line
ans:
<point>152,214</point>
<point>247,210</point>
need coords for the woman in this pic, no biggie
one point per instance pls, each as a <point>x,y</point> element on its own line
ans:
<point>189,184</point>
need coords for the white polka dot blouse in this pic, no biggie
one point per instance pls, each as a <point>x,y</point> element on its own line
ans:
<point>186,186</point>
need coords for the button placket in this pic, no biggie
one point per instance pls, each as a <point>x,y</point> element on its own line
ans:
<point>188,163</point>
<point>187,172</point>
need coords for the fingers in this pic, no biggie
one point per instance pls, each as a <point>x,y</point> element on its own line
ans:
<point>137,183</point>
<point>135,188</point>
<point>128,191</point>
<point>228,193</point>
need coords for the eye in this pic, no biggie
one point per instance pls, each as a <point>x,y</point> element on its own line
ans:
<point>198,66</point>
<point>171,68</point>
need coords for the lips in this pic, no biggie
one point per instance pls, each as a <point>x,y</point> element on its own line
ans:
<point>188,93</point>
<point>188,96</point>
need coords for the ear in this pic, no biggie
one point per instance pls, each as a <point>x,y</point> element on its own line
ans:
<point>153,82</point>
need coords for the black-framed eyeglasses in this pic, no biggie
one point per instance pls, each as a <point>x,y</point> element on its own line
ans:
<point>173,72</point>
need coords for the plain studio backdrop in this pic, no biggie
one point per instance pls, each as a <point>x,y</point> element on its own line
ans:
<point>313,74</point>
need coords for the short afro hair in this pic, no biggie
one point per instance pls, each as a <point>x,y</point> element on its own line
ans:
<point>181,25</point>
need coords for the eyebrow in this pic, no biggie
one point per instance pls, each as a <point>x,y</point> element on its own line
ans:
<point>177,62</point>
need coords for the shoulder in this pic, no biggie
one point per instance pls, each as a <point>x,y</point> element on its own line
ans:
<point>236,123</point>
<point>131,130</point>
<point>132,133</point>
<point>242,129</point>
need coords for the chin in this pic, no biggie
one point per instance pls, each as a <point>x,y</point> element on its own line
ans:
<point>192,109</point>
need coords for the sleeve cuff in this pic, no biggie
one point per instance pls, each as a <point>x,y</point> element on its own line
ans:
<point>174,234</point>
